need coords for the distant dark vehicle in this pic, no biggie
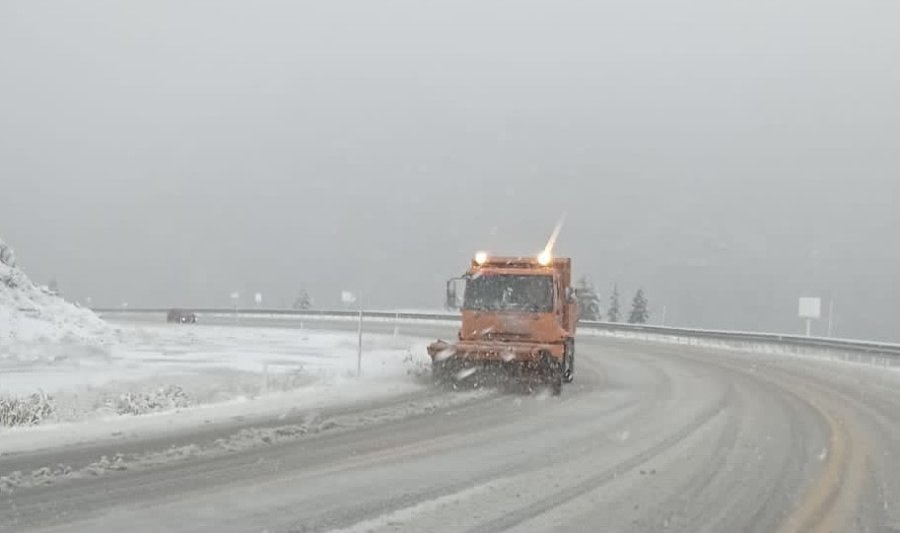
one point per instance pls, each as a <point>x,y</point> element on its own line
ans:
<point>181,316</point>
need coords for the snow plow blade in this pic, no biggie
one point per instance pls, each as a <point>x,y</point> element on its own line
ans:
<point>498,352</point>
<point>529,362</point>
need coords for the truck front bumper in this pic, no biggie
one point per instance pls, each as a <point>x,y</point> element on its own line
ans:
<point>506,352</point>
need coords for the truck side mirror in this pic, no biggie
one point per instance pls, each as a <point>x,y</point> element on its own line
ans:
<point>451,295</point>
<point>455,286</point>
<point>570,294</point>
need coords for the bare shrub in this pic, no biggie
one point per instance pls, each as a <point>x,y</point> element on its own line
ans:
<point>27,410</point>
<point>138,403</point>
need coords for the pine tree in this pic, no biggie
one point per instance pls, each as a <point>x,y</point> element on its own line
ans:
<point>588,301</point>
<point>639,313</point>
<point>613,312</point>
<point>303,301</point>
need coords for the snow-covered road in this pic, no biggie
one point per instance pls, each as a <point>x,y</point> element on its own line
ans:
<point>651,437</point>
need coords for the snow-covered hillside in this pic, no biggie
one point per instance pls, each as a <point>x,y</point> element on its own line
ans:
<point>35,324</point>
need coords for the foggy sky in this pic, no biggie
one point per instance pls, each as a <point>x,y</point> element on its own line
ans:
<point>727,157</point>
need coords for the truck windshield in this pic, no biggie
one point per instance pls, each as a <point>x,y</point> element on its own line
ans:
<point>507,292</point>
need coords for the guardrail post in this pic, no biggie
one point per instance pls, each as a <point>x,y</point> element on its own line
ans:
<point>359,340</point>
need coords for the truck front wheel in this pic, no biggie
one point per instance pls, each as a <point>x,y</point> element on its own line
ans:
<point>556,383</point>
<point>553,372</point>
<point>569,374</point>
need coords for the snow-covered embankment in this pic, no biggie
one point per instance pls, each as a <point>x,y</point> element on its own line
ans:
<point>61,364</point>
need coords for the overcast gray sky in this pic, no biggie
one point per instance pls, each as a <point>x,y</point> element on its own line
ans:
<point>726,156</point>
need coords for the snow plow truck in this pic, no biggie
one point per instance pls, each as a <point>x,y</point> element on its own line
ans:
<point>518,319</point>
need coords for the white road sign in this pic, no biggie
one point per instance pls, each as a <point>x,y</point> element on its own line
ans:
<point>810,308</point>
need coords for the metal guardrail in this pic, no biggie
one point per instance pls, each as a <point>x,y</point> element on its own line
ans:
<point>878,349</point>
<point>869,347</point>
<point>402,315</point>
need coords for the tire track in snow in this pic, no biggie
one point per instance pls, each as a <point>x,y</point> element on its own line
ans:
<point>558,498</point>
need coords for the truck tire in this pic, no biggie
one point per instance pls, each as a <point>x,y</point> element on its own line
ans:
<point>569,373</point>
<point>556,383</point>
<point>553,372</point>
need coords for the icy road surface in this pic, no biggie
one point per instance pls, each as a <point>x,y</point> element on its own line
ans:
<point>651,437</point>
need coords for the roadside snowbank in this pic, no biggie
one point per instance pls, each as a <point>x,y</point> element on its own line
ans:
<point>189,356</point>
<point>120,428</point>
<point>315,420</point>
<point>162,368</point>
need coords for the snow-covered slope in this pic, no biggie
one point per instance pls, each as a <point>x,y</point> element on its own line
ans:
<point>35,324</point>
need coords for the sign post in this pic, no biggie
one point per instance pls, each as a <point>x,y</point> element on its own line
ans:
<point>348,298</point>
<point>810,309</point>
<point>359,340</point>
<point>830,316</point>
<point>235,296</point>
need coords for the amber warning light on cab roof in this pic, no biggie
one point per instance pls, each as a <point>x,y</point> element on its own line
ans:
<point>545,258</point>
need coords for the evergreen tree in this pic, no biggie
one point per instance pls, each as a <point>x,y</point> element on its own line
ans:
<point>639,313</point>
<point>588,301</point>
<point>613,312</point>
<point>303,301</point>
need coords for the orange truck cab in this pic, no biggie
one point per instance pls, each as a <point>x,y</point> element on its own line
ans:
<point>518,314</point>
